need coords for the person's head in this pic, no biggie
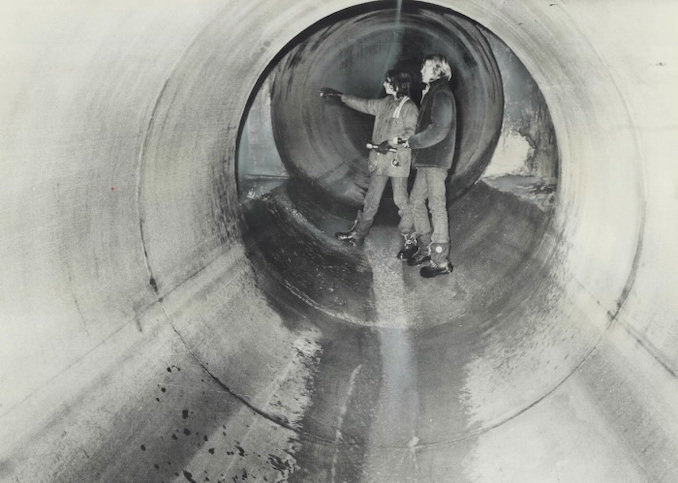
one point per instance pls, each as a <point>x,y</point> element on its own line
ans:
<point>434,67</point>
<point>398,83</point>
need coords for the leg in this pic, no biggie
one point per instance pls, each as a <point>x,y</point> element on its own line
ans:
<point>365,218</point>
<point>401,200</point>
<point>406,225</point>
<point>422,225</point>
<point>440,239</point>
<point>437,202</point>
<point>418,198</point>
<point>372,199</point>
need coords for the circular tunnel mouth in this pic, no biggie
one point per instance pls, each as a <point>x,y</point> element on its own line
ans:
<point>302,172</point>
<point>490,324</point>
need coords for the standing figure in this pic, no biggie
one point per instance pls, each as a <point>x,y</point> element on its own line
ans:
<point>433,147</point>
<point>395,117</point>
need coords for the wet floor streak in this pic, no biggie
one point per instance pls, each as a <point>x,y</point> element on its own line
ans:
<point>291,256</point>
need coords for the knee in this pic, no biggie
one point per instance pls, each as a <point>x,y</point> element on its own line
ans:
<point>400,200</point>
<point>437,206</point>
<point>418,205</point>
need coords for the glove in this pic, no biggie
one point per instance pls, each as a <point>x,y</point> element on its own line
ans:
<point>384,147</point>
<point>329,93</point>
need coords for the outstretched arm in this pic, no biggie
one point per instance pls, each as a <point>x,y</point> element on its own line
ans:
<point>367,106</point>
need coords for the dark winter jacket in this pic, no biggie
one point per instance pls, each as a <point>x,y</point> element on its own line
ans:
<point>434,140</point>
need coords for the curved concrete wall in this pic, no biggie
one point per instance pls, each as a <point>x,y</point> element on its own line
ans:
<point>352,54</point>
<point>128,347</point>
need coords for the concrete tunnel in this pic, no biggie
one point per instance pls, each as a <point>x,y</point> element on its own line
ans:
<point>168,318</point>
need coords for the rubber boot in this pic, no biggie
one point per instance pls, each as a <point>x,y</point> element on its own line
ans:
<point>353,236</point>
<point>423,253</point>
<point>409,247</point>
<point>439,264</point>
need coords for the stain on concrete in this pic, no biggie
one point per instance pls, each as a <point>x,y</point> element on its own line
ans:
<point>188,476</point>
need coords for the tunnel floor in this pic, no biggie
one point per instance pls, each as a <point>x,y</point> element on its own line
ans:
<point>390,382</point>
<point>494,229</point>
<point>384,393</point>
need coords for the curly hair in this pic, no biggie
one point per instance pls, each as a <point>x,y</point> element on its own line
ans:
<point>401,82</point>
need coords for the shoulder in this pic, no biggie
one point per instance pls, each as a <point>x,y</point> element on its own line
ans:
<point>443,95</point>
<point>410,106</point>
<point>382,102</point>
<point>442,87</point>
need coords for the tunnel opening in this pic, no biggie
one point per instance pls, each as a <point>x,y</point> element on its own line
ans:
<point>520,344</point>
<point>302,175</point>
<point>302,172</point>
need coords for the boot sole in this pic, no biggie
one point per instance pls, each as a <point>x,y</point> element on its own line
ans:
<point>432,274</point>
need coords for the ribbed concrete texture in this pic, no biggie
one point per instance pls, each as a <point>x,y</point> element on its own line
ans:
<point>160,322</point>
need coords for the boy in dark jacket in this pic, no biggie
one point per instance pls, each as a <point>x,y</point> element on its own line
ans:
<point>432,147</point>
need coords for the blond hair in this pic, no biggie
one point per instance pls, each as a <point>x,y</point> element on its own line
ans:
<point>440,65</point>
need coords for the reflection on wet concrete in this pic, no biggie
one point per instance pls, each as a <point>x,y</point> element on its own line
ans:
<point>292,256</point>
